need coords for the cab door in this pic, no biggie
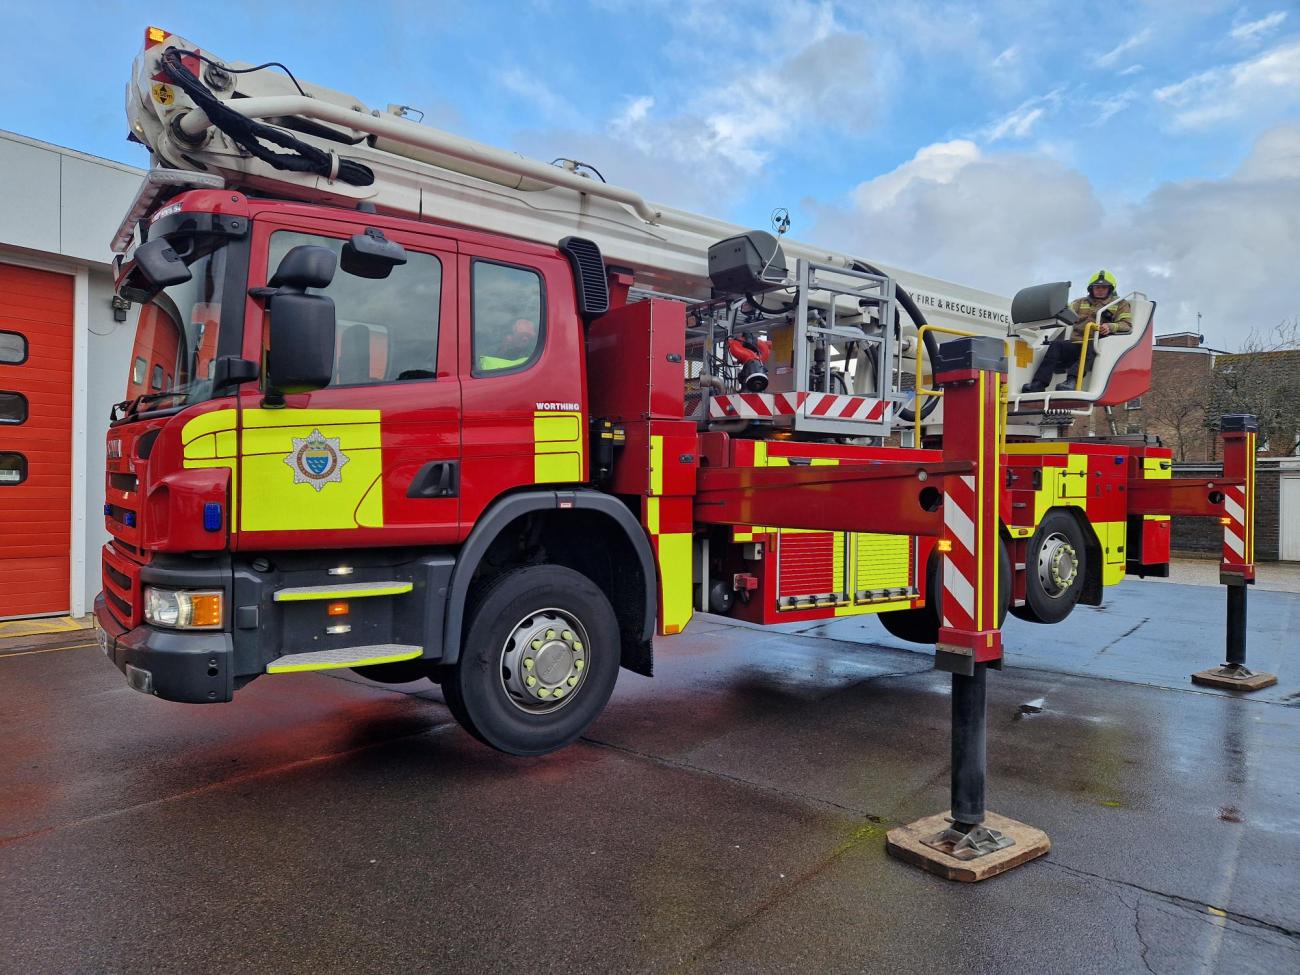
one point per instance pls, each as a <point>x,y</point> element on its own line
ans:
<point>522,376</point>
<point>374,458</point>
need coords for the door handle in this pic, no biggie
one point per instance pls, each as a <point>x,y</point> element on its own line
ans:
<point>436,479</point>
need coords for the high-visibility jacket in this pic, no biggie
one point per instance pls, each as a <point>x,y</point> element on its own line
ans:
<point>1118,316</point>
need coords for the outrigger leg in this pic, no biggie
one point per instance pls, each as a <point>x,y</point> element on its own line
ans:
<point>969,843</point>
<point>1237,570</point>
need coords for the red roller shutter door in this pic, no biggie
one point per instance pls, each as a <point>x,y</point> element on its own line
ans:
<point>36,326</point>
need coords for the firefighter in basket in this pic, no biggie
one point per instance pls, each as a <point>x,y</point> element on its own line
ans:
<point>1062,355</point>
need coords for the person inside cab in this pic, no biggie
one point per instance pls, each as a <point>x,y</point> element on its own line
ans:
<point>1062,354</point>
<point>514,348</point>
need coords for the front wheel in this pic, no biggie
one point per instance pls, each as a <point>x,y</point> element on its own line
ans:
<point>538,662</point>
<point>1055,570</point>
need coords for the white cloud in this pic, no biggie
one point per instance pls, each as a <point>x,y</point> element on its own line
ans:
<point>554,108</point>
<point>1020,121</point>
<point>705,149</point>
<point>1255,29</point>
<point>1008,56</point>
<point>1109,106</point>
<point>1268,82</point>
<point>1123,47</point>
<point>1227,248</point>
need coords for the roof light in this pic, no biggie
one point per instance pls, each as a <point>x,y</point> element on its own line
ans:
<point>155,181</point>
<point>154,35</point>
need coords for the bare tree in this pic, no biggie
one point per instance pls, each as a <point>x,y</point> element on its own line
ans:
<point>1178,412</point>
<point>1262,379</point>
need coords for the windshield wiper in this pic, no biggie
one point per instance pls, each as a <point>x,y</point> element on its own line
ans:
<point>132,407</point>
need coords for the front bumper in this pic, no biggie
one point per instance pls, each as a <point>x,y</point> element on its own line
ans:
<point>192,667</point>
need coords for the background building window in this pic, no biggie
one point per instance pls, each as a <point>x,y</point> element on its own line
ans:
<point>1134,404</point>
<point>13,407</point>
<point>13,468</point>
<point>13,348</point>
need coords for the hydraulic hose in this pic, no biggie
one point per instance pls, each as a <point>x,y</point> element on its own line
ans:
<point>908,415</point>
<point>250,135</point>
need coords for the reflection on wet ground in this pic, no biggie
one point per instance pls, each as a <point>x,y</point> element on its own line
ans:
<point>728,815</point>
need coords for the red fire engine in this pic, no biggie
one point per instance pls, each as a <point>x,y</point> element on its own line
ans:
<point>437,410</point>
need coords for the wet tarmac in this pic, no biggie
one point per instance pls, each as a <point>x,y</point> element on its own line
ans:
<point>726,816</point>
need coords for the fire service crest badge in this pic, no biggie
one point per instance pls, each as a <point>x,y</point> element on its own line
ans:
<point>316,460</point>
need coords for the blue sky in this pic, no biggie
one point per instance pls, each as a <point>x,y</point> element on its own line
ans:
<point>993,143</point>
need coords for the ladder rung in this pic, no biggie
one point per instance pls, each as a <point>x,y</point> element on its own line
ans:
<point>356,590</point>
<point>382,653</point>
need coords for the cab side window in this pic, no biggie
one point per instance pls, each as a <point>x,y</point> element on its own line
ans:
<point>387,327</point>
<point>508,316</point>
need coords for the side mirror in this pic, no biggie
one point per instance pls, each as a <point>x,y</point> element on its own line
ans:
<point>306,266</point>
<point>300,356</point>
<point>300,348</point>
<point>1043,303</point>
<point>160,265</point>
<point>372,255</point>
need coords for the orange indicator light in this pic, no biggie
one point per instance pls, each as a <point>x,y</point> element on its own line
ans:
<point>944,545</point>
<point>155,35</point>
<point>205,609</point>
<point>1225,520</point>
<point>337,609</point>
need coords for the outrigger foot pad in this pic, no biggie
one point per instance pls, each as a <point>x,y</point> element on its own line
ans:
<point>966,853</point>
<point>1234,677</point>
<point>966,842</point>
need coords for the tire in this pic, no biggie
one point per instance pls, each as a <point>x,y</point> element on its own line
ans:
<point>1056,567</point>
<point>922,625</point>
<point>538,662</point>
<point>402,672</point>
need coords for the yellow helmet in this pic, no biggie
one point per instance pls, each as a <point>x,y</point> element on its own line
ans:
<point>1104,277</point>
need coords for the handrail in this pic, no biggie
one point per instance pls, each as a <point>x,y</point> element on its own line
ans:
<point>921,391</point>
<point>918,389</point>
<point>1088,331</point>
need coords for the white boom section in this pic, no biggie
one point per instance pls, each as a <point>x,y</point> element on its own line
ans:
<point>429,174</point>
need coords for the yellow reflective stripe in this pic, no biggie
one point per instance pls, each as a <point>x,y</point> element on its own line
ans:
<point>279,668</point>
<point>675,580</point>
<point>557,447</point>
<point>206,423</point>
<point>306,593</point>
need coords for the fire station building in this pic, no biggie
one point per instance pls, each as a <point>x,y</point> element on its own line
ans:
<point>64,358</point>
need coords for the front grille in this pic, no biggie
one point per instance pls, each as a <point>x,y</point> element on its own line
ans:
<point>128,548</point>
<point>120,578</point>
<point>121,585</point>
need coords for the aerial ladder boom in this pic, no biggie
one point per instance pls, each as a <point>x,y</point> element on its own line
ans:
<point>419,171</point>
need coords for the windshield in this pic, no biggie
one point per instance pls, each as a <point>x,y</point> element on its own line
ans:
<point>176,337</point>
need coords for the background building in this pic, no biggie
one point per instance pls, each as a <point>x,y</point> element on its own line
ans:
<point>63,363</point>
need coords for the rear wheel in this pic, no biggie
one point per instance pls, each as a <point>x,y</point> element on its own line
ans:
<point>1055,569</point>
<point>922,625</point>
<point>538,662</point>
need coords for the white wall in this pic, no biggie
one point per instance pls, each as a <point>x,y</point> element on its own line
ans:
<point>108,359</point>
<point>61,202</point>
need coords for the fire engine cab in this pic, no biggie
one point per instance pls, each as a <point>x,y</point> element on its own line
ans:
<point>432,409</point>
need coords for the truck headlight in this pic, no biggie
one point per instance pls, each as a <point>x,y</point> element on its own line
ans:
<point>183,609</point>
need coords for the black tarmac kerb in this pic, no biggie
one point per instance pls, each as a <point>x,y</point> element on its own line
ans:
<point>728,815</point>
